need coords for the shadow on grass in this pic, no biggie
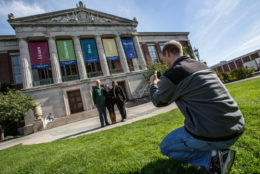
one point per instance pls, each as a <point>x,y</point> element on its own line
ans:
<point>79,133</point>
<point>169,166</point>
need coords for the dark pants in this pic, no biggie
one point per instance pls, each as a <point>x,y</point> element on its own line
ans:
<point>111,109</point>
<point>102,112</point>
<point>121,108</point>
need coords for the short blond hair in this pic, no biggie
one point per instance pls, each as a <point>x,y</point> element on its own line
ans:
<point>174,47</point>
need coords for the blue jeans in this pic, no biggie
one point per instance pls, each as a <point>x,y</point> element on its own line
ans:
<point>102,112</point>
<point>180,145</point>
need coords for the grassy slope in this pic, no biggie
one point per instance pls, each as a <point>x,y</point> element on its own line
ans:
<point>134,148</point>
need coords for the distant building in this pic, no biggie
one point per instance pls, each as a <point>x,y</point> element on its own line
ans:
<point>56,57</point>
<point>247,60</point>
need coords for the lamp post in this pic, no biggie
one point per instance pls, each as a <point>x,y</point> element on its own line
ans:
<point>196,52</point>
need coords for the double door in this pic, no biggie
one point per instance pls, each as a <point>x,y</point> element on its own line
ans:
<point>75,101</point>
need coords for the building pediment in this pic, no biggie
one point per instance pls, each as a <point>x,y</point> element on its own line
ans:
<point>76,16</point>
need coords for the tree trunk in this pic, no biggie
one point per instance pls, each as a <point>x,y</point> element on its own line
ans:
<point>2,134</point>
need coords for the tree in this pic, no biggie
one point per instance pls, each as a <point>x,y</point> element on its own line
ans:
<point>160,67</point>
<point>13,105</point>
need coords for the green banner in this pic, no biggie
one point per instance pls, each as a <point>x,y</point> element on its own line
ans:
<point>66,52</point>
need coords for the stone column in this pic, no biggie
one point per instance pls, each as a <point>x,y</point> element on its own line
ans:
<point>102,56</point>
<point>56,73</point>
<point>229,67</point>
<point>139,53</point>
<point>26,69</point>
<point>121,53</point>
<point>235,64</point>
<point>80,59</point>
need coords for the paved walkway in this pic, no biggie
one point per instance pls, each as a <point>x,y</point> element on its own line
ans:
<point>87,126</point>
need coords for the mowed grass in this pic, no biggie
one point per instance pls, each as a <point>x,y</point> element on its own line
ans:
<point>134,148</point>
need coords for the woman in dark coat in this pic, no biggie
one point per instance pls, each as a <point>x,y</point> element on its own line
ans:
<point>120,99</point>
<point>110,102</point>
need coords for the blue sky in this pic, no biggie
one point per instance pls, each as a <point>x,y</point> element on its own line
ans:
<point>220,29</point>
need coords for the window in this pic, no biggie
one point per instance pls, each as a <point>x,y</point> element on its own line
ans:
<point>161,47</point>
<point>153,53</point>
<point>42,76</point>
<point>69,72</point>
<point>130,64</point>
<point>16,69</point>
<point>93,69</point>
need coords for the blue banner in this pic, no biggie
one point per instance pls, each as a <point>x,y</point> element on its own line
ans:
<point>41,66</point>
<point>65,63</point>
<point>112,58</point>
<point>89,50</point>
<point>129,48</point>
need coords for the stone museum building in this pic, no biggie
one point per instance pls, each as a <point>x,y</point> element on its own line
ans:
<point>56,57</point>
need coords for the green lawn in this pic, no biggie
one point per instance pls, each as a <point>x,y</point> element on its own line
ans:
<point>134,148</point>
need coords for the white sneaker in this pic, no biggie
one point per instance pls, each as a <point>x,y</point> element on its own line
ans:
<point>226,159</point>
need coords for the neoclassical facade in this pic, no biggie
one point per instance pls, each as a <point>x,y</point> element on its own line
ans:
<point>57,57</point>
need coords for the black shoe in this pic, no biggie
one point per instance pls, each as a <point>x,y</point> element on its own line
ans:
<point>222,162</point>
<point>107,124</point>
<point>123,120</point>
<point>102,125</point>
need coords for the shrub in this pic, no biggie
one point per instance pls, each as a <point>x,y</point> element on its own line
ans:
<point>220,76</point>
<point>242,73</point>
<point>226,77</point>
<point>13,105</point>
<point>236,74</point>
<point>159,67</point>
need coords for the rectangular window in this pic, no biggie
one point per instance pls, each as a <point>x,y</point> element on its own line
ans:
<point>16,69</point>
<point>161,47</point>
<point>153,53</point>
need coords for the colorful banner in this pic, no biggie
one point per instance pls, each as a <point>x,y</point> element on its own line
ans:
<point>129,48</point>
<point>89,50</point>
<point>39,54</point>
<point>66,52</point>
<point>110,49</point>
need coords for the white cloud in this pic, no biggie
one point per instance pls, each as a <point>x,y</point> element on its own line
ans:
<point>213,14</point>
<point>19,8</point>
<point>248,46</point>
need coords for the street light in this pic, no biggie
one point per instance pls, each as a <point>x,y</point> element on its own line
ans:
<point>196,52</point>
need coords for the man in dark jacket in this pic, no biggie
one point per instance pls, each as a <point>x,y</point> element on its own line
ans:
<point>99,101</point>
<point>213,121</point>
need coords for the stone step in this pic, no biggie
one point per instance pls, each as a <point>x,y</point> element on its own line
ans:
<point>72,118</point>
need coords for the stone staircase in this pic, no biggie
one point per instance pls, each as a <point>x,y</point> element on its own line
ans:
<point>72,118</point>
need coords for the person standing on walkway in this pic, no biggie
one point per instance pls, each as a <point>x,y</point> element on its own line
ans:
<point>110,103</point>
<point>213,121</point>
<point>120,99</point>
<point>99,101</point>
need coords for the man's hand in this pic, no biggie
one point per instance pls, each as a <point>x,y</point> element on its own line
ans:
<point>154,79</point>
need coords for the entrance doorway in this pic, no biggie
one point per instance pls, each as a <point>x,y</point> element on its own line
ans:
<point>122,85</point>
<point>75,101</point>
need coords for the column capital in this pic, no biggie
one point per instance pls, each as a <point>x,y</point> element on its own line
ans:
<point>25,39</point>
<point>75,37</point>
<point>50,37</point>
<point>97,36</point>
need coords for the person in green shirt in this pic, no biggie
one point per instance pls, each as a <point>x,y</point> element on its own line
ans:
<point>99,101</point>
